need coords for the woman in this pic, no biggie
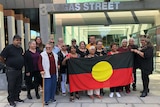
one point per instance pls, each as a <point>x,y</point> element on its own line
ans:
<point>146,63</point>
<point>124,48</point>
<point>82,50</point>
<point>99,48</point>
<point>63,69</point>
<point>48,66</point>
<point>40,46</point>
<point>31,69</point>
<point>72,54</point>
<point>114,89</point>
<point>90,93</point>
<point>100,52</point>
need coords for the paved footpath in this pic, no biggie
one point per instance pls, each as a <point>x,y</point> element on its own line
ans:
<point>127,100</point>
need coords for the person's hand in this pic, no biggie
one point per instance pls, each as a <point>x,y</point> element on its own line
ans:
<point>28,74</point>
<point>42,73</point>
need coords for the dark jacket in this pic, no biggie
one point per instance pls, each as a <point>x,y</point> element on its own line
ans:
<point>63,68</point>
<point>146,63</point>
<point>29,66</point>
<point>136,59</point>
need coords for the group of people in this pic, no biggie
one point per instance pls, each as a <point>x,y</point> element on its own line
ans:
<point>49,63</point>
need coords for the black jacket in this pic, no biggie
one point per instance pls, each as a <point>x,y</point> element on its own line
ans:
<point>63,68</point>
<point>146,63</point>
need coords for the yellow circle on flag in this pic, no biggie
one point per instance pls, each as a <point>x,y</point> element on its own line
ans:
<point>102,71</point>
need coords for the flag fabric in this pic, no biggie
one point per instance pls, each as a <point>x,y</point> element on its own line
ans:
<point>100,72</point>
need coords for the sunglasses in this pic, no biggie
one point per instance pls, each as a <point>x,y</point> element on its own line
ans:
<point>51,42</point>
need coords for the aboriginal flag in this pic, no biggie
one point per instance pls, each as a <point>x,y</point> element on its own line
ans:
<point>100,72</point>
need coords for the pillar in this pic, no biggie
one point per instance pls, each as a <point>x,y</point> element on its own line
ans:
<point>10,24</point>
<point>157,20</point>
<point>59,30</point>
<point>27,31</point>
<point>20,28</point>
<point>2,36</point>
<point>45,31</point>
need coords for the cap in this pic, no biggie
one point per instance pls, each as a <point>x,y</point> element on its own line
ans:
<point>16,37</point>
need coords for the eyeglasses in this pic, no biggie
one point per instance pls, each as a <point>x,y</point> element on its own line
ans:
<point>48,47</point>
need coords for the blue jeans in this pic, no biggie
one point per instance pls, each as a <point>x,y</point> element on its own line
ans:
<point>50,88</point>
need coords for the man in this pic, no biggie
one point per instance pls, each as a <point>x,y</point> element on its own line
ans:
<point>12,55</point>
<point>92,42</point>
<point>133,46</point>
<point>55,49</point>
<point>60,43</point>
<point>74,43</point>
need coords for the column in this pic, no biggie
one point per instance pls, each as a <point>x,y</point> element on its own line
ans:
<point>10,24</point>
<point>157,20</point>
<point>59,30</point>
<point>20,28</point>
<point>2,36</point>
<point>27,31</point>
<point>44,23</point>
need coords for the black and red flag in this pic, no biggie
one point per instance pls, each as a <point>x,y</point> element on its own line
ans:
<point>100,72</point>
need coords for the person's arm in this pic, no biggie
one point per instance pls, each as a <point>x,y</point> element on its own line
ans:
<point>2,59</point>
<point>64,60</point>
<point>26,63</point>
<point>138,52</point>
<point>40,66</point>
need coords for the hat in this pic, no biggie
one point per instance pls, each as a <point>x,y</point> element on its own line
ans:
<point>16,37</point>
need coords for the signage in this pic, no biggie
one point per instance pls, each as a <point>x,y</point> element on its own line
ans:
<point>89,6</point>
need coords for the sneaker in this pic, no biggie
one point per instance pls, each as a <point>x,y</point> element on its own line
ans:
<point>19,100</point>
<point>12,104</point>
<point>46,103</point>
<point>64,94</point>
<point>111,95</point>
<point>118,94</point>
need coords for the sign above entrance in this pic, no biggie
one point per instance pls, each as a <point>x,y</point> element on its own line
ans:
<point>92,6</point>
<point>78,7</point>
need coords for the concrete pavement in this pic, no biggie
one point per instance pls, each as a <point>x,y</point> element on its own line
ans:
<point>127,100</point>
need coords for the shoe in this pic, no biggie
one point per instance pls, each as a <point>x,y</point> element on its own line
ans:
<point>64,94</point>
<point>91,96</point>
<point>53,101</point>
<point>12,104</point>
<point>77,96</point>
<point>134,89</point>
<point>19,100</point>
<point>37,96</point>
<point>29,96</point>
<point>128,91</point>
<point>143,91</point>
<point>71,99</point>
<point>118,94</point>
<point>98,96</point>
<point>143,94</point>
<point>111,95</point>
<point>46,103</point>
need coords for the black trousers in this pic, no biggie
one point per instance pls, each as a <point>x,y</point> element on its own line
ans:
<point>145,81</point>
<point>114,89</point>
<point>33,84</point>
<point>134,78</point>
<point>14,78</point>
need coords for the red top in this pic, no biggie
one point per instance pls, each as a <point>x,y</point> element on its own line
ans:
<point>121,49</point>
<point>52,64</point>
